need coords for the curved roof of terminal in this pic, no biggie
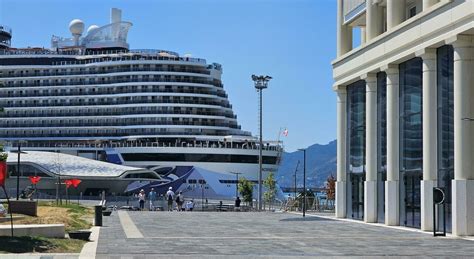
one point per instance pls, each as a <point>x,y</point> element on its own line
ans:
<point>71,165</point>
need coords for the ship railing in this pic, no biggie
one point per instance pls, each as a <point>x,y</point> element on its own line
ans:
<point>102,55</point>
<point>128,89</point>
<point>139,101</point>
<point>117,81</point>
<point>123,124</point>
<point>109,113</point>
<point>102,72</point>
<point>48,52</point>
<point>143,144</point>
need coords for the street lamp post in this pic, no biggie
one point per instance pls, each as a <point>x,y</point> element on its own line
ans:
<point>261,82</point>
<point>304,180</point>
<point>18,173</point>
<point>202,195</point>
<point>296,170</point>
<point>236,184</point>
<point>18,170</point>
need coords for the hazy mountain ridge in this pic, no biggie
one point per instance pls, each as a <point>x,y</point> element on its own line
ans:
<point>320,163</point>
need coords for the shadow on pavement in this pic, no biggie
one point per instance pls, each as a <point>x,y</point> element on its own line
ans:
<point>306,219</point>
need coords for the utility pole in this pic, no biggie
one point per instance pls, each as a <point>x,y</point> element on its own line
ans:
<point>296,170</point>
<point>261,82</point>
<point>304,180</point>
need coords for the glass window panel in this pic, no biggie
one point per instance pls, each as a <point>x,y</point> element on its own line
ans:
<point>411,135</point>
<point>382,120</point>
<point>356,127</point>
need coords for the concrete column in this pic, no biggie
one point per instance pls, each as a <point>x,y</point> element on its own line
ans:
<point>395,13</point>
<point>341,152</point>
<point>363,35</point>
<point>344,32</point>
<point>374,19</point>
<point>428,3</point>
<point>463,183</point>
<point>370,184</point>
<point>430,137</point>
<point>392,198</point>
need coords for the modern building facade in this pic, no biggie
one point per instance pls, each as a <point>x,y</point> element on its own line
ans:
<point>405,113</point>
<point>91,95</point>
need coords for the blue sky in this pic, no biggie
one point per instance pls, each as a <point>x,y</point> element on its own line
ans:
<point>294,41</point>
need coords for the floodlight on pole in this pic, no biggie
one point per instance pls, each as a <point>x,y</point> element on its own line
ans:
<point>304,180</point>
<point>261,82</point>
<point>18,169</point>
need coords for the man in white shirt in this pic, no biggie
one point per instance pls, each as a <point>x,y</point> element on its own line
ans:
<point>190,205</point>
<point>170,198</point>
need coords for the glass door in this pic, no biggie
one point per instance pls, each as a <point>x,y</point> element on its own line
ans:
<point>357,192</point>
<point>412,183</point>
<point>445,211</point>
<point>381,178</point>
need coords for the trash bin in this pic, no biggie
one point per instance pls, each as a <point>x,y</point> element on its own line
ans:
<point>98,215</point>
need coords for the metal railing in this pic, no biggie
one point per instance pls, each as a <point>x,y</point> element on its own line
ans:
<point>101,71</point>
<point>319,204</point>
<point>106,91</point>
<point>109,81</point>
<point>63,103</point>
<point>124,112</point>
<point>162,144</point>
<point>103,55</point>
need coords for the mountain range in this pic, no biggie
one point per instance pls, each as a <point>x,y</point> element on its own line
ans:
<point>320,163</point>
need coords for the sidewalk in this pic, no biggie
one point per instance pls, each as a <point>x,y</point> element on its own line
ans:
<point>261,235</point>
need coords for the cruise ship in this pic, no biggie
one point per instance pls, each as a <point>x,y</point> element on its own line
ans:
<point>93,96</point>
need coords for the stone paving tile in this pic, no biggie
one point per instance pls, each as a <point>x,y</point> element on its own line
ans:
<point>265,235</point>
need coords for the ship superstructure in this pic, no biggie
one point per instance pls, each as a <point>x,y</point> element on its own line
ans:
<point>91,95</point>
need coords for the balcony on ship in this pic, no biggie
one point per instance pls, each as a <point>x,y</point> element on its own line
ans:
<point>87,112</point>
<point>63,82</point>
<point>92,90</point>
<point>93,71</point>
<point>118,101</point>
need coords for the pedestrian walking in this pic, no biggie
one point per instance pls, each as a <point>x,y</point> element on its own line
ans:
<point>141,199</point>
<point>237,204</point>
<point>180,201</point>
<point>152,198</point>
<point>190,205</point>
<point>170,198</point>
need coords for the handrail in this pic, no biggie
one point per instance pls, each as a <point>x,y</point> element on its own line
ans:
<point>177,144</point>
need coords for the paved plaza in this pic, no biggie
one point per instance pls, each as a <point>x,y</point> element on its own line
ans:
<point>261,235</point>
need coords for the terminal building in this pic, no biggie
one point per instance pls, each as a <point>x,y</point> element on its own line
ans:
<point>405,112</point>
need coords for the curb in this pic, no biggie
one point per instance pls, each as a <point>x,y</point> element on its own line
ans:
<point>90,248</point>
<point>448,235</point>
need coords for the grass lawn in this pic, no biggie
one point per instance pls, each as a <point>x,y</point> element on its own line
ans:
<point>39,245</point>
<point>73,216</point>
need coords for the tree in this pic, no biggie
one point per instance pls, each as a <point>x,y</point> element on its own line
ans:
<point>331,190</point>
<point>310,197</point>
<point>246,190</point>
<point>270,184</point>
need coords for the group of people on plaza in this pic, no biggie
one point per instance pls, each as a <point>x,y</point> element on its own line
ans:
<point>170,197</point>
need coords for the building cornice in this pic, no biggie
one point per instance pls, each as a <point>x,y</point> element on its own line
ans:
<point>401,44</point>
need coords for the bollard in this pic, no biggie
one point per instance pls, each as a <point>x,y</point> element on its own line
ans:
<point>98,215</point>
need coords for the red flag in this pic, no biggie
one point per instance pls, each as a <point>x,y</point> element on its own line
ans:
<point>75,182</point>
<point>285,133</point>
<point>68,183</point>
<point>35,179</point>
<point>3,172</point>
